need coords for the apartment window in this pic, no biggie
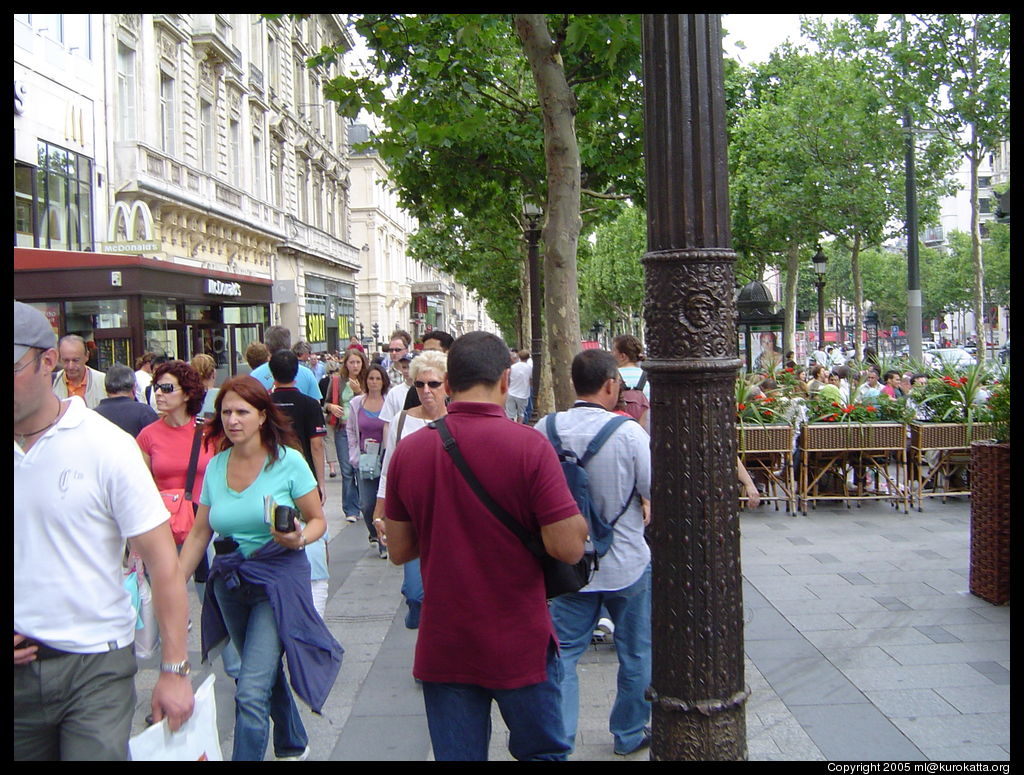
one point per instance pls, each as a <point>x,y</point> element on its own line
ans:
<point>273,64</point>
<point>53,202</point>
<point>235,152</point>
<point>300,187</point>
<point>318,200</point>
<point>206,134</point>
<point>24,205</point>
<point>257,167</point>
<point>77,37</point>
<point>298,83</point>
<point>984,205</point>
<point>277,175</point>
<point>126,92</point>
<point>168,119</point>
<point>51,25</point>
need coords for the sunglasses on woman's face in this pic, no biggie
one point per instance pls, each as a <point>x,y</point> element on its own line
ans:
<point>432,384</point>
<point>166,387</point>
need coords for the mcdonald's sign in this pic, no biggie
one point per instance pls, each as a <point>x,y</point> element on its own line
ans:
<point>135,221</point>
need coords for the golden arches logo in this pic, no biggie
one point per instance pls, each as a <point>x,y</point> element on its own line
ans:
<point>131,217</point>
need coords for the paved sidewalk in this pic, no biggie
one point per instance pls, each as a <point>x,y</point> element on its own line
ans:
<point>861,640</point>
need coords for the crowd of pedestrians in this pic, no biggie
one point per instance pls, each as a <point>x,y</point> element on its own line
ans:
<point>249,458</point>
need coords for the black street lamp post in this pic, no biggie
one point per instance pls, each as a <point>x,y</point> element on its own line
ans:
<point>697,692</point>
<point>819,261</point>
<point>871,323</point>
<point>532,215</point>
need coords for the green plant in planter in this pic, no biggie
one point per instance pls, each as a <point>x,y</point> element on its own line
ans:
<point>884,410</point>
<point>999,406</point>
<point>956,396</point>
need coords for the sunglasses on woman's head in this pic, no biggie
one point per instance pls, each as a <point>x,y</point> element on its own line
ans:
<point>432,384</point>
<point>165,387</point>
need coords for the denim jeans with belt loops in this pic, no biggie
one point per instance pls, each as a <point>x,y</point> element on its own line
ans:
<point>262,687</point>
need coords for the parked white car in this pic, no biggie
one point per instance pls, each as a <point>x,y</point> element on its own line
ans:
<point>957,357</point>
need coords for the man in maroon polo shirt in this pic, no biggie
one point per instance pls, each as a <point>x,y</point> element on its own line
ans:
<point>485,630</point>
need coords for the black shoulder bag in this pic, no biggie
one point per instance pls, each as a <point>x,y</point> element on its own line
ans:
<point>560,578</point>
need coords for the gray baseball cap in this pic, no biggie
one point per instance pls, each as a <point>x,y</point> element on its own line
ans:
<point>31,329</point>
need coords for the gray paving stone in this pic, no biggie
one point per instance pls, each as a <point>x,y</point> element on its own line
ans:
<point>819,622</point>
<point>861,638</point>
<point>968,753</point>
<point>929,732</point>
<point>949,653</point>
<point>891,603</point>
<point>994,671</point>
<point>976,699</point>
<point>910,702</point>
<point>938,634</point>
<point>808,681</point>
<point>886,619</point>
<point>856,732</point>
<point>869,656</point>
<point>915,677</point>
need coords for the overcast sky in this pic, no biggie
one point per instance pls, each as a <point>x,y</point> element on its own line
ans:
<point>761,33</point>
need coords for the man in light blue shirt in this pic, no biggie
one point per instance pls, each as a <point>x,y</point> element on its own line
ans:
<point>620,475</point>
<point>280,338</point>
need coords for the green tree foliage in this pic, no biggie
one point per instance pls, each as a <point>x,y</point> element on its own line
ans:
<point>952,72</point>
<point>611,275</point>
<point>463,130</point>
<point>818,151</point>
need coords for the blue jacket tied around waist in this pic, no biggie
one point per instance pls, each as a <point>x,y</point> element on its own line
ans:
<point>314,656</point>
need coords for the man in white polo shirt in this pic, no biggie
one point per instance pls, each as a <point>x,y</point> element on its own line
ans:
<point>80,489</point>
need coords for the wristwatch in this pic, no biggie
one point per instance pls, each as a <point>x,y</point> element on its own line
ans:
<point>182,668</point>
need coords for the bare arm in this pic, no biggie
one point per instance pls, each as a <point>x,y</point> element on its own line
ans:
<point>564,540</point>
<point>753,496</point>
<point>401,540</point>
<point>172,695</point>
<point>194,548</point>
<point>316,446</point>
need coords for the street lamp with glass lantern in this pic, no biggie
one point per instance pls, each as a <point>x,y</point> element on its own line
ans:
<point>871,324</point>
<point>819,262</point>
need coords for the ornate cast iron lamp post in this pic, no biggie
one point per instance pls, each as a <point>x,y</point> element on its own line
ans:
<point>698,692</point>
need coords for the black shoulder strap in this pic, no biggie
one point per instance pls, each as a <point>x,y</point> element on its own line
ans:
<point>193,460</point>
<point>531,542</point>
<point>641,382</point>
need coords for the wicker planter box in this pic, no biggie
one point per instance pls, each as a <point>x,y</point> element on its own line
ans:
<point>990,521</point>
<point>764,438</point>
<point>826,437</point>
<point>947,435</point>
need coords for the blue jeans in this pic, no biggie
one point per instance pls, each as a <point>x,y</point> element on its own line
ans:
<point>412,582</point>
<point>349,476</point>
<point>459,718</point>
<point>368,501</point>
<point>261,689</point>
<point>575,617</point>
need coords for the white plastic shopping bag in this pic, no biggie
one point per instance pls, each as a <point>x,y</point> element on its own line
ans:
<point>197,740</point>
<point>147,638</point>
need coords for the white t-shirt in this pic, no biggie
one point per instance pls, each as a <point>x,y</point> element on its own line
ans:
<point>519,379</point>
<point>143,379</point>
<point>79,492</point>
<point>393,402</point>
<point>410,425</point>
